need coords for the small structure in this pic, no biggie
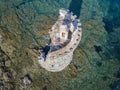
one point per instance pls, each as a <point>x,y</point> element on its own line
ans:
<point>65,36</point>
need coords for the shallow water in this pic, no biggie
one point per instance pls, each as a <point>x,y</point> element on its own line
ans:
<point>24,25</point>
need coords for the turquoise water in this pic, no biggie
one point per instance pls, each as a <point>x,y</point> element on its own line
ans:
<point>96,62</point>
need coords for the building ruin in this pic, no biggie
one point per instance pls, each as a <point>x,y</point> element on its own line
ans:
<point>65,36</point>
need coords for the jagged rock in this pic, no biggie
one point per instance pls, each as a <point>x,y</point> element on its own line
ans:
<point>26,81</point>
